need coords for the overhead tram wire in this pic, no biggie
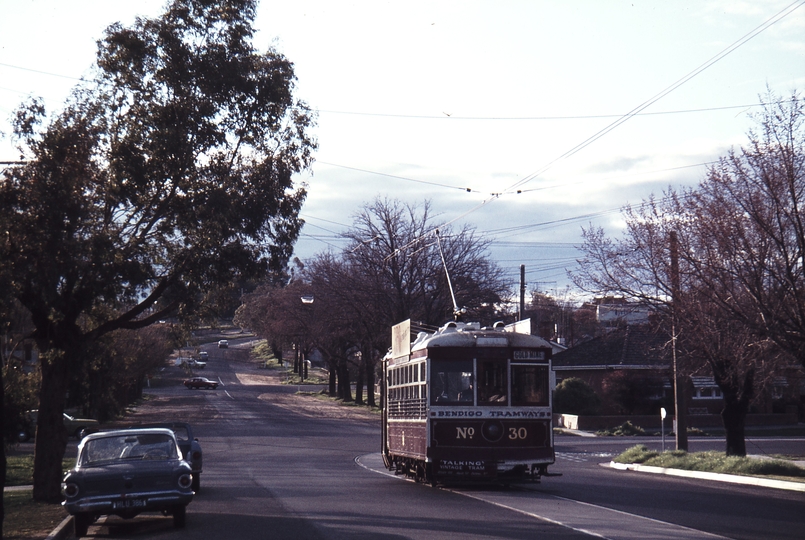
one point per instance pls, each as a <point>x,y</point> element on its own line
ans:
<point>713,60</point>
<point>521,228</point>
<point>468,190</point>
<point>691,166</point>
<point>729,49</point>
<point>532,118</point>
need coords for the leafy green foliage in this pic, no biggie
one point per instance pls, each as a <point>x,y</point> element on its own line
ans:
<point>575,396</point>
<point>20,394</point>
<point>627,429</point>
<point>167,176</point>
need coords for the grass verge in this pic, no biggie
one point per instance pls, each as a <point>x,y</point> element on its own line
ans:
<point>324,396</point>
<point>716,462</point>
<point>20,469</point>
<point>26,519</point>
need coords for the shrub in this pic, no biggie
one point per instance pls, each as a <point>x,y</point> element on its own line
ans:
<point>574,396</point>
<point>627,429</point>
<point>636,454</point>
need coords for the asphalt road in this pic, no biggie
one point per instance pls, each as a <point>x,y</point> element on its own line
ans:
<point>283,466</point>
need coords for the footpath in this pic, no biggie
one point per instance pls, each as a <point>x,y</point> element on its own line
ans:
<point>714,477</point>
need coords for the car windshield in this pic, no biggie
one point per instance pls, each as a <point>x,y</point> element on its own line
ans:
<point>144,446</point>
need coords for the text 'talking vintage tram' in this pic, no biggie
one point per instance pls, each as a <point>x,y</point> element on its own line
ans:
<point>468,403</point>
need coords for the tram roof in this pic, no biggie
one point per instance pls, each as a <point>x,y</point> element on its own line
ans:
<point>458,334</point>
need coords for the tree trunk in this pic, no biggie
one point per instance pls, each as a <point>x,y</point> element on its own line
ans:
<point>331,382</point>
<point>736,407</point>
<point>2,448</point>
<point>344,384</point>
<point>359,385</point>
<point>734,418</point>
<point>51,435</point>
<point>369,366</point>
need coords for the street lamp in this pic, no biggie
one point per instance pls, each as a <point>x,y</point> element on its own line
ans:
<point>307,300</point>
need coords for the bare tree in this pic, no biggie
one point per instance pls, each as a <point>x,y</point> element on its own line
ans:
<point>739,302</point>
<point>751,209</point>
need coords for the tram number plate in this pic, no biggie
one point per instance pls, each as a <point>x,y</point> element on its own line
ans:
<point>128,503</point>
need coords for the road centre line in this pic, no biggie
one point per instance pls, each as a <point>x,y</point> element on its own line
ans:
<point>593,520</point>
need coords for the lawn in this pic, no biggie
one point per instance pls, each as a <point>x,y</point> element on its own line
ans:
<point>26,519</point>
<point>716,462</point>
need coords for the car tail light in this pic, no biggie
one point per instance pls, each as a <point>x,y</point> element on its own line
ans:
<point>69,490</point>
<point>185,481</point>
<point>196,455</point>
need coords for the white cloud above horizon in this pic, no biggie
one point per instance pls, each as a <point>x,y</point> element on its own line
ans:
<point>416,99</point>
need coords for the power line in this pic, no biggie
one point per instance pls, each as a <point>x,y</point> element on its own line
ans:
<point>729,49</point>
<point>540,118</point>
<point>469,190</point>
<point>41,72</point>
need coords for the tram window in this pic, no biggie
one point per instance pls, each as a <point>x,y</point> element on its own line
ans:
<point>529,385</point>
<point>449,378</point>
<point>493,385</point>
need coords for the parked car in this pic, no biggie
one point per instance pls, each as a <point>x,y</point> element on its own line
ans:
<point>76,427</point>
<point>223,344</point>
<point>189,445</point>
<point>200,382</point>
<point>127,472</point>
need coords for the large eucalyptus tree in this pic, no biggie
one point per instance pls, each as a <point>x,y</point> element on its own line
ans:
<point>170,173</point>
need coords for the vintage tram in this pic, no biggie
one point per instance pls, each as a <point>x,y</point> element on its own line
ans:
<point>467,403</point>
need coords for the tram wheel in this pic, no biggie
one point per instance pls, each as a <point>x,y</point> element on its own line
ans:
<point>420,474</point>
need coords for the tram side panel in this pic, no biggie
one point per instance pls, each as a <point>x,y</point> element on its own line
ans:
<point>408,439</point>
<point>406,428</point>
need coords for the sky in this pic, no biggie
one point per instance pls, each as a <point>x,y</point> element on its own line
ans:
<point>516,118</point>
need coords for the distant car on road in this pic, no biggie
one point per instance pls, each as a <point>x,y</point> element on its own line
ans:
<point>193,363</point>
<point>126,472</point>
<point>76,427</point>
<point>223,344</point>
<point>203,356</point>
<point>189,445</point>
<point>200,382</point>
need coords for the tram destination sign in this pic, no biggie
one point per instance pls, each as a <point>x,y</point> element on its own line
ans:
<point>401,339</point>
<point>529,354</point>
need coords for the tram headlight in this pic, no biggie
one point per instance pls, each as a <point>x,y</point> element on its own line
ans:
<point>492,430</point>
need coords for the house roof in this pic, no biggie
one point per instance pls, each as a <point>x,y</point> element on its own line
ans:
<point>635,347</point>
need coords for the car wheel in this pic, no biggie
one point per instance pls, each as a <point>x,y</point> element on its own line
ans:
<point>179,516</point>
<point>196,486</point>
<point>81,522</point>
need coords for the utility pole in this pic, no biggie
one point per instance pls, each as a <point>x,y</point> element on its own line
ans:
<point>522,292</point>
<point>680,412</point>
